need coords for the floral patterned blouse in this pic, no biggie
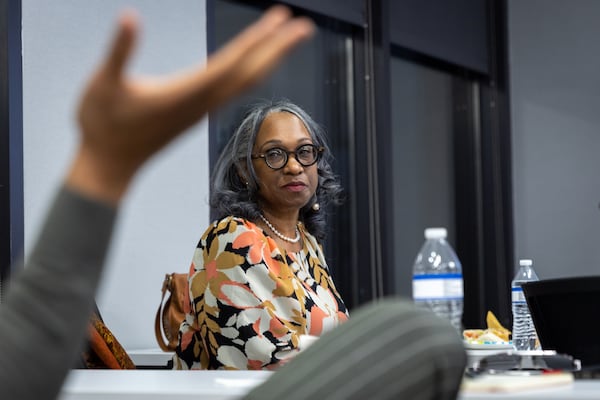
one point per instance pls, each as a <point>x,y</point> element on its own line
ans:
<point>250,301</point>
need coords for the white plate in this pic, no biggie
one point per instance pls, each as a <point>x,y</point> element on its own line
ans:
<point>488,346</point>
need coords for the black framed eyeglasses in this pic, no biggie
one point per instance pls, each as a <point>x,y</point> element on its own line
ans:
<point>277,158</point>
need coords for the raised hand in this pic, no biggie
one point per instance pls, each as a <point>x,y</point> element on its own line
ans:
<point>124,121</point>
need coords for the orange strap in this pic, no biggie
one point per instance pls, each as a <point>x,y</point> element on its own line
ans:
<point>100,348</point>
<point>106,346</point>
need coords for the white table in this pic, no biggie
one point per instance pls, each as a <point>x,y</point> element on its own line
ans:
<point>579,390</point>
<point>159,384</point>
<point>229,385</point>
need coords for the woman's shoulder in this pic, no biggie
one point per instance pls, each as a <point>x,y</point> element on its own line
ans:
<point>238,231</point>
<point>230,224</point>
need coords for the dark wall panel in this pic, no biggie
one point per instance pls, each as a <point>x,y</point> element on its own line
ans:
<point>351,11</point>
<point>453,31</point>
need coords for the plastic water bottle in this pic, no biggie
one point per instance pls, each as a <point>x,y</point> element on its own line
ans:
<point>524,336</point>
<point>437,278</point>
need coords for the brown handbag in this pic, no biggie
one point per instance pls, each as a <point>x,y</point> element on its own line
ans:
<point>171,313</point>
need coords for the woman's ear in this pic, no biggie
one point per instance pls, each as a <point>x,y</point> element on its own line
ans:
<point>243,175</point>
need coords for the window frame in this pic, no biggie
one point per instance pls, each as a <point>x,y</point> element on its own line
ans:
<point>11,140</point>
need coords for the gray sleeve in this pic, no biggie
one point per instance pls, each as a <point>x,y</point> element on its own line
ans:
<point>387,350</point>
<point>43,318</point>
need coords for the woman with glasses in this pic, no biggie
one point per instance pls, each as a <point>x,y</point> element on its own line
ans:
<point>259,279</point>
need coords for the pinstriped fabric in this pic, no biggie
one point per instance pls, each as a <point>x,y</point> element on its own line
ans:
<point>387,350</point>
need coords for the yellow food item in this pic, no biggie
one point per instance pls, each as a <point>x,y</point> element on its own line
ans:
<point>493,332</point>
<point>495,326</point>
<point>492,322</point>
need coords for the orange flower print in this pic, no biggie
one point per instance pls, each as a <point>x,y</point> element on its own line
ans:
<point>250,301</point>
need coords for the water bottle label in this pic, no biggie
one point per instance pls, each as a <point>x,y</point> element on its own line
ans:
<point>437,287</point>
<point>517,295</point>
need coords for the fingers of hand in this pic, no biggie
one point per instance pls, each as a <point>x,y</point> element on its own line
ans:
<point>122,44</point>
<point>267,54</point>
<point>253,54</point>
<point>162,111</point>
<point>253,34</point>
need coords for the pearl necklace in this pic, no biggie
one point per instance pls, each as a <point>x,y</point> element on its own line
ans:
<point>281,236</point>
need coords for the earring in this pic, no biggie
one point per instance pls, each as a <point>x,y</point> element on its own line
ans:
<point>316,207</point>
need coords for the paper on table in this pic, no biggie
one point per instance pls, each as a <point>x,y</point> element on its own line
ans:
<point>487,383</point>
